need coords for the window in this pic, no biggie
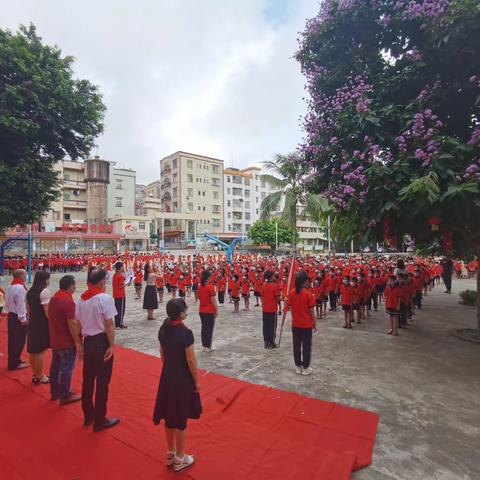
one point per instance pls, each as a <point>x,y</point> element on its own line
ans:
<point>66,176</point>
<point>247,215</point>
<point>203,208</point>
<point>190,206</point>
<point>175,178</point>
<point>175,191</point>
<point>263,195</point>
<point>229,179</point>
<point>76,193</point>
<point>247,182</point>
<point>189,178</point>
<point>228,203</point>
<point>247,227</point>
<point>66,196</point>
<point>237,180</point>
<point>215,195</point>
<point>216,168</point>
<point>264,185</point>
<point>118,202</point>
<point>229,215</point>
<point>203,194</point>
<point>257,211</point>
<point>66,216</point>
<point>189,163</point>
<point>228,190</point>
<point>141,225</point>
<point>215,208</point>
<point>229,227</point>
<point>216,222</point>
<point>247,205</point>
<point>174,163</point>
<point>256,199</point>
<point>119,185</point>
<point>199,208</point>
<point>190,192</point>
<point>247,193</point>
<point>215,182</point>
<point>199,193</point>
<point>237,191</point>
<point>256,188</point>
<point>175,206</point>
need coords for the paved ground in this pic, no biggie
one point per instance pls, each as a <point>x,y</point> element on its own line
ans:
<point>425,384</point>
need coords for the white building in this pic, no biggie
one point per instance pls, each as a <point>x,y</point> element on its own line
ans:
<point>121,192</point>
<point>244,192</point>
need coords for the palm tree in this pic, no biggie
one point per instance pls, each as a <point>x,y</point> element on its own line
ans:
<point>288,175</point>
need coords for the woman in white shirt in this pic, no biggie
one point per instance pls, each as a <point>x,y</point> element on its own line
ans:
<point>38,339</point>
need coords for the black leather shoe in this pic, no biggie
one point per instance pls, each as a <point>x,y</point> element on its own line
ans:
<point>107,423</point>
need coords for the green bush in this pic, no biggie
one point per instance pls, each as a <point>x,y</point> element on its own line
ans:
<point>469,297</point>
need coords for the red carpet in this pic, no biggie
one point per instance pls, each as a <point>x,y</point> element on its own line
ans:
<point>247,431</point>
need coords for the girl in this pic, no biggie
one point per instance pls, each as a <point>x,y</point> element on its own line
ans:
<point>221,287</point>
<point>392,304</point>
<point>182,286</point>
<point>246,291</point>
<point>138,283</point>
<point>235,288</point>
<point>317,293</point>
<point>301,302</point>
<point>208,310</point>
<point>257,287</point>
<point>177,398</point>
<point>150,300</point>
<point>345,291</point>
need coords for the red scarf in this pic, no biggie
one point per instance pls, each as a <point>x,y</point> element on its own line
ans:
<point>91,292</point>
<point>175,323</point>
<point>63,294</point>
<point>19,281</point>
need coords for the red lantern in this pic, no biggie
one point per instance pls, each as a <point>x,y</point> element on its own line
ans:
<point>110,228</point>
<point>93,228</point>
<point>434,222</point>
<point>85,228</point>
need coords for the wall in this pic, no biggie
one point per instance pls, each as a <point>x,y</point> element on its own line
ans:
<point>121,192</point>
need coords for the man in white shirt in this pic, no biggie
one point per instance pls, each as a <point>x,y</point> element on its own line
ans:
<point>95,311</point>
<point>17,320</point>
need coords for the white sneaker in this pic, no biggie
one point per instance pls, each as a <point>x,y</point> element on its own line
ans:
<point>298,371</point>
<point>205,349</point>
<point>307,371</point>
<point>181,463</point>
<point>170,458</point>
<point>211,349</point>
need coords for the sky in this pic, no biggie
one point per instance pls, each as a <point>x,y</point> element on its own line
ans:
<point>212,77</point>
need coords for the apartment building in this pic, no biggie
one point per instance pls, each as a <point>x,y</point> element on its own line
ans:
<point>121,192</point>
<point>244,191</point>
<point>192,184</point>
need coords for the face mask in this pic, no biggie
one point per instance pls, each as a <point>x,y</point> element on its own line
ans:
<point>345,282</point>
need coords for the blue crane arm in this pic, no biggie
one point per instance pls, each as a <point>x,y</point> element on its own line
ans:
<point>216,240</point>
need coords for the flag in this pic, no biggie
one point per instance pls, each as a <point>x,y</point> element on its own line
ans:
<point>291,275</point>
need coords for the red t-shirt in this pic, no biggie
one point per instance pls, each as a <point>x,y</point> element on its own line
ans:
<point>235,287</point>
<point>300,304</point>
<point>270,293</point>
<point>346,292</point>
<point>222,284</point>
<point>205,294</point>
<point>392,296</point>
<point>118,285</point>
<point>60,309</point>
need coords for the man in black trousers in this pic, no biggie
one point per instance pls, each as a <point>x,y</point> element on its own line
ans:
<point>119,296</point>
<point>95,311</point>
<point>447,273</point>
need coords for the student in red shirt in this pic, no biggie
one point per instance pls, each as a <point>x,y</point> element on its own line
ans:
<point>221,287</point>
<point>138,283</point>
<point>235,287</point>
<point>174,284</point>
<point>270,294</point>
<point>392,304</point>
<point>182,286</point>
<point>208,310</point>
<point>246,291</point>
<point>302,305</point>
<point>257,287</point>
<point>345,292</point>
<point>118,287</point>
<point>317,293</point>
<point>159,283</point>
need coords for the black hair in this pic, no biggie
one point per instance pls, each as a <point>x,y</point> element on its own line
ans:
<point>400,264</point>
<point>175,307</point>
<point>40,279</point>
<point>97,276</point>
<point>205,276</point>
<point>66,282</point>
<point>91,271</point>
<point>300,278</point>
<point>146,271</point>
<point>268,275</point>
<point>118,265</point>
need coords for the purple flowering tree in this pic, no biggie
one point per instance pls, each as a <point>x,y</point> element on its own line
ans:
<point>392,131</point>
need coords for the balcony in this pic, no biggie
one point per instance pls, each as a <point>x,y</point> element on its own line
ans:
<point>81,204</point>
<point>166,170</point>
<point>237,180</point>
<point>166,183</point>
<point>76,184</point>
<point>166,197</point>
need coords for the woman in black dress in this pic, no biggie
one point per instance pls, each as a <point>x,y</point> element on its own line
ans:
<point>150,299</point>
<point>38,339</point>
<point>177,398</point>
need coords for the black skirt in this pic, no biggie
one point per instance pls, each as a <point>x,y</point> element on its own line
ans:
<point>150,299</point>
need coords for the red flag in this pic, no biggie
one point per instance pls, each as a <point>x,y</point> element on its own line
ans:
<point>291,275</point>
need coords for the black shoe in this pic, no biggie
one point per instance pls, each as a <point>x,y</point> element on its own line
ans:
<point>273,345</point>
<point>107,423</point>
<point>87,422</point>
<point>123,326</point>
<point>73,397</point>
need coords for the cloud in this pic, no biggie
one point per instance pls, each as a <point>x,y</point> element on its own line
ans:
<point>214,77</point>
